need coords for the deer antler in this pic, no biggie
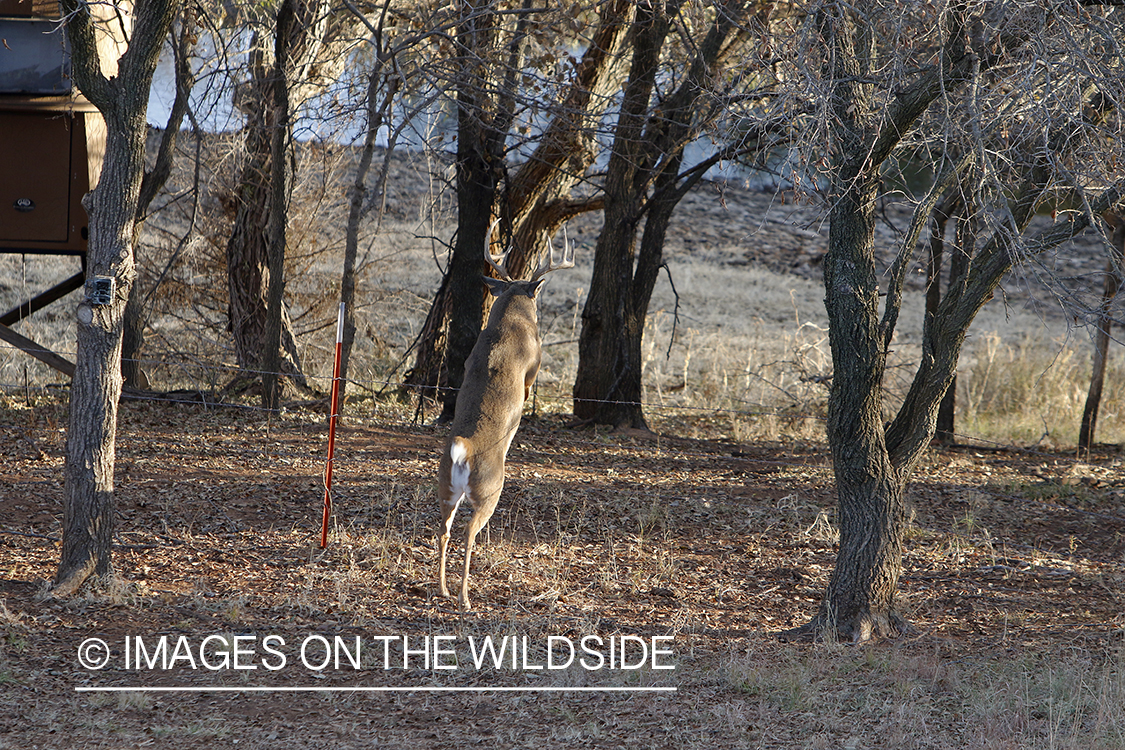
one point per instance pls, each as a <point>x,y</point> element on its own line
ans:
<point>548,263</point>
<point>497,262</point>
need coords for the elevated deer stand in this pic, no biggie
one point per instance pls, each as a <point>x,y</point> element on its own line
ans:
<point>51,146</point>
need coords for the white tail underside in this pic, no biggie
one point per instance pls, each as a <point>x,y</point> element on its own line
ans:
<point>459,472</point>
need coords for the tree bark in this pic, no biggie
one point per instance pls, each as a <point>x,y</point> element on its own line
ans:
<point>248,249</point>
<point>859,602</point>
<point>88,504</point>
<point>1101,337</point>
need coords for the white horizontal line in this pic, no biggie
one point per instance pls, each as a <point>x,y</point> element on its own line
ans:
<point>367,689</point>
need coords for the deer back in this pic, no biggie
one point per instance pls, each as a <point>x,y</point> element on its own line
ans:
<point>500,369</point>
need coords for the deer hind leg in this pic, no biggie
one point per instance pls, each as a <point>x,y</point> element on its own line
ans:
<point>482,511</point>
<point>448,510</point>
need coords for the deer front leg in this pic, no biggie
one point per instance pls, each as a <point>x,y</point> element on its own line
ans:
<point>463,597</point>
<point>443,543</point>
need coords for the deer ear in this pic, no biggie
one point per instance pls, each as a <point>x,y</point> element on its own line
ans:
<point>495,287</point>
<point>533,289</point>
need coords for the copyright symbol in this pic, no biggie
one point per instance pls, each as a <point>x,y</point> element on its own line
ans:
<point>93,653</point>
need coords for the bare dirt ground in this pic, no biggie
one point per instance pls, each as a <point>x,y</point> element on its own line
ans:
<point>1014,575</point>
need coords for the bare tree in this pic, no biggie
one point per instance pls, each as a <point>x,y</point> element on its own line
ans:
<point>182,42</point>
<point>383,83</point>
<point>299,31</point>
<point>280,182</point>
<point>122,98</point>
<point>1104,323</point>
<point>1029,74</point>
<point>533,198</point>
<point>955,206</point>
<point>645,180</point>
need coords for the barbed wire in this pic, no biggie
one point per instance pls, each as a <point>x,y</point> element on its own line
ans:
<point>377,385</point>
<point>988,538</point>
<point>748,408</point>
<point>751,408</point>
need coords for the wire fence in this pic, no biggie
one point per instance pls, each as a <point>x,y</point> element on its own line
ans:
<point>321,386</point>
<point>1063,465</point>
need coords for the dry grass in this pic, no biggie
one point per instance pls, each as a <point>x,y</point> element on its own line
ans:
<point>1032,392</point>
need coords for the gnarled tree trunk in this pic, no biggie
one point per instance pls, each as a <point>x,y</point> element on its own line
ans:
<point>859,603</point>
<point>248,249</point>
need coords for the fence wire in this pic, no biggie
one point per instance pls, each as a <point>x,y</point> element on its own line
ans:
<point>963,441</point>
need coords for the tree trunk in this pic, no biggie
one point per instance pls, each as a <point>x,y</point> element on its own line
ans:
<point>647,153</point>
<point>280,185</point>
<point>248,259</point>
<point>607,384</point>
<point>1097,376</point>
<point>455,316</point>
<point>357,198</point>
<point>964,246</point>
<point>476,200</point>
<point>88,506</point>
<point>248,249</point>
<point>133,335</point>
<point>1101,338</point>
<point>859,602</point>
<point>945,210</point>
<point>608,394</point>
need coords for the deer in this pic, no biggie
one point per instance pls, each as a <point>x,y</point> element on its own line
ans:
<point>499,373</point>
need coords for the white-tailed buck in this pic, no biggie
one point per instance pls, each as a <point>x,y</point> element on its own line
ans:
<point>498,377</point>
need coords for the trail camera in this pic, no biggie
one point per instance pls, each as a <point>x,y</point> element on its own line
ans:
<point>100,289</point>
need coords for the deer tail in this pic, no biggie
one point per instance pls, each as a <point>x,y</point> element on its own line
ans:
<point>459,471</point>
